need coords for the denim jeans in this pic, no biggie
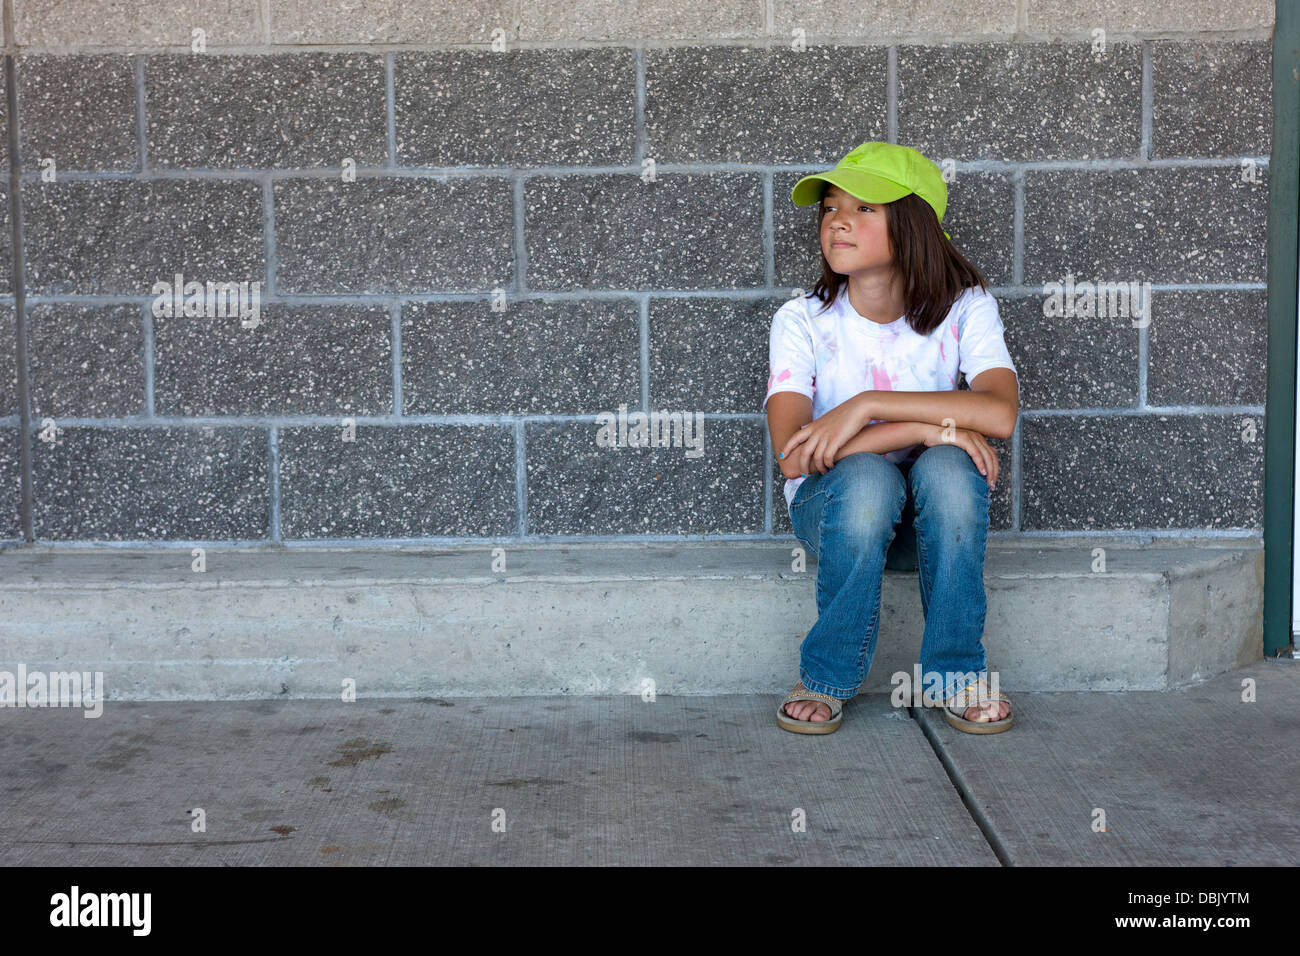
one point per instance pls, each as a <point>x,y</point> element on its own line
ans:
<point>868,513</point>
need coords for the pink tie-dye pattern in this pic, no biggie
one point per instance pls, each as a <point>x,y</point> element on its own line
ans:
<point>882,380</point>
<point>773,379</point>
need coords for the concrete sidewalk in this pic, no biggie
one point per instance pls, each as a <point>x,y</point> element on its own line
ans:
<point>1189,776</point>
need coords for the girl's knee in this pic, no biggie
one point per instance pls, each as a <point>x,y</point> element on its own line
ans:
<point>868,496</point>
<point>954,511</point>
<point>944,456</point>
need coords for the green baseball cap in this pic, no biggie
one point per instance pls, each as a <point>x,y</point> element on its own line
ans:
<point>879,173</point>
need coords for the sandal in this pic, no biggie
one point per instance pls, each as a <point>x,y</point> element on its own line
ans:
<point>975,695</point>
<point>828,726</point>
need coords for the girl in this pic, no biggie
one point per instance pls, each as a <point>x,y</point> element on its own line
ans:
<point>871,433</point>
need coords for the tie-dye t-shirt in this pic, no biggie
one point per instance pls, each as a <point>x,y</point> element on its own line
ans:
<point>832,355</point>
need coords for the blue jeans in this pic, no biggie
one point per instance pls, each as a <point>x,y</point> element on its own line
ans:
<point>868,513</point>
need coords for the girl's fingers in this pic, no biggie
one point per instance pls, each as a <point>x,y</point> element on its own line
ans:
<point>801,458</point>
<point>795,441</point>
<point>816,456</point>
<point>991,457</point>
<point>980,460</point>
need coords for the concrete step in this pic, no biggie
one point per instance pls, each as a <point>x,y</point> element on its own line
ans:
<point>593,619</point>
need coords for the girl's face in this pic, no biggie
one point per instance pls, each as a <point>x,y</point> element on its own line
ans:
<point>853,233</point>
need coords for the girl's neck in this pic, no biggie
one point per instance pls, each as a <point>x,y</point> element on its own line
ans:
<point>877,297</point>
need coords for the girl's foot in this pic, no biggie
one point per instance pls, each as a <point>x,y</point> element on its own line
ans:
<point>989,714</point>
<point>808,712</point>
<point>993,710</point>
<point>813,711</point>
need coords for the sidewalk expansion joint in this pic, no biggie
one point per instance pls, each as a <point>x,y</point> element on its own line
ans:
<point>967,798</point>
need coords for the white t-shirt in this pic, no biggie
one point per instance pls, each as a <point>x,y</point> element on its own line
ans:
<point>833,355</point>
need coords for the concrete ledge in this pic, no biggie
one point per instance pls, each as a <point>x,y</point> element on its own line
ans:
<point>592,619</point>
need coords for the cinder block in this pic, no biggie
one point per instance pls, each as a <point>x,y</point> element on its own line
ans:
<point>79,111</point>
<point>1211,99</point>
<point>679,231</point>
<point>393,234</point>
<point>578,487</point>
<point>120,237</point>
<point>1208,348</point>
<point>296,360</point>
<point>71,25</point>
<point>1181,224</point>
<point>1143,471</point>
<point>409,481</point>
<point>1021,101</point>
<point>152,484</point>
<point>1071,361</point>
<point>292,111</point>
<point>86,361</point>
<point>1065,17</point>
<point>702,104</point>
<point>516,108</point>
<point>558,357</point>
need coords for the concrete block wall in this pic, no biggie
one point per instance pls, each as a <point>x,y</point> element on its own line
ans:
<point>478,225</point>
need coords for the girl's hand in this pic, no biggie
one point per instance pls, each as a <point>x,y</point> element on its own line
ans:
<point>975,444</point>
<point>814,445</point>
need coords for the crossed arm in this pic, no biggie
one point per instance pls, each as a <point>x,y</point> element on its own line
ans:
<point>990,408</point>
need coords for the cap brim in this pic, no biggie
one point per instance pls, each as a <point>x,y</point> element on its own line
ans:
<point>864,186</point>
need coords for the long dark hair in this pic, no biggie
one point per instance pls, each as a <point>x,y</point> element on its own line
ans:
<point>934,273</point>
